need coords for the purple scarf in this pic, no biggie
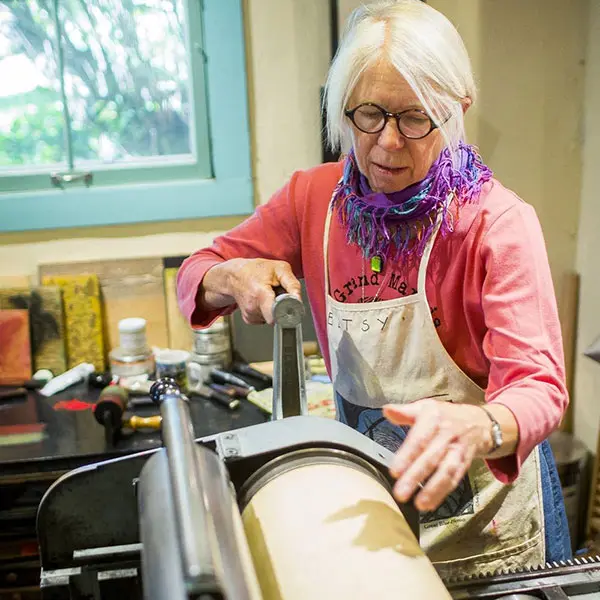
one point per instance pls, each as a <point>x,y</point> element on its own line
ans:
<point>377,221</point>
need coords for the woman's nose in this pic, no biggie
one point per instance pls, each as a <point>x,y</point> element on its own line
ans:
<point>390,137</point>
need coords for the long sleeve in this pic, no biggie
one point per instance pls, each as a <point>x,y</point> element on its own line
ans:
<point>271,232</point>
<point>523,341</point>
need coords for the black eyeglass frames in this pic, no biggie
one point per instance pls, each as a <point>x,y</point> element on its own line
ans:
<point>413,123</point>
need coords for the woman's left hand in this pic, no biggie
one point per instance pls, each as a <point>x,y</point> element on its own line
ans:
<point>443,440</point>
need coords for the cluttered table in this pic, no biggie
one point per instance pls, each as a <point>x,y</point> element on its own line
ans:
<point>70,436</point>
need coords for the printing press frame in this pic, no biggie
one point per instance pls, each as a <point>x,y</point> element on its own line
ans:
<point>89,522</point>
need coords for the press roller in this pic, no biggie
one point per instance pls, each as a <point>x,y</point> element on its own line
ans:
<point>322,524</point>
<point>295,509</point>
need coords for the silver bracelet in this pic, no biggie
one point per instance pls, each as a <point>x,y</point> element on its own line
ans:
<point>497,437</point>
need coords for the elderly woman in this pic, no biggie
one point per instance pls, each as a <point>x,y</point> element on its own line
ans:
<point>430,289</point>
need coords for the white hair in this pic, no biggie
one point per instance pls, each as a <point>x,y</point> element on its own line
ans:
<point>422,45</point>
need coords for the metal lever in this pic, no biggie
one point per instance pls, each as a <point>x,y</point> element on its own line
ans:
<point>289,380</point>
<point>191,512</point>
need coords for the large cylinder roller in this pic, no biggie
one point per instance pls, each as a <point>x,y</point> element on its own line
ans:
<point>322,523</point>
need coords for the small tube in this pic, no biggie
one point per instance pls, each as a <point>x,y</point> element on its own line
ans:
<point>68,378</point>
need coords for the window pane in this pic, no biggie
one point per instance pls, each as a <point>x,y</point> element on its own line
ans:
<point>127,79</point>
<point>31,114</point>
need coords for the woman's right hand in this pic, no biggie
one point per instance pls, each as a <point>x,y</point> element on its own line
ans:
<point>250,283</point>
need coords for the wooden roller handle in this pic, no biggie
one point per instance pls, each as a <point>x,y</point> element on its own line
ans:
<point>134,422</point>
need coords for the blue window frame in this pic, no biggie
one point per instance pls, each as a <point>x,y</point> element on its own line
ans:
<point>218,186</point>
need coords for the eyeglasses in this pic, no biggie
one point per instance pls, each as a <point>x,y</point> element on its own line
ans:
<point>413,124</point>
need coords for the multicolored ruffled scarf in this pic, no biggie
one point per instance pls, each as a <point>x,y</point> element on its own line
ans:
<point>382,223</point>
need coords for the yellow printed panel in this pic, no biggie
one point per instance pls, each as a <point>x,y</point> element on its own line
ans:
<point>83,318</point>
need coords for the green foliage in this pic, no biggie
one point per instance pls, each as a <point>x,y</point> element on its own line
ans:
<point>36,136</point>
<point>126,86</point>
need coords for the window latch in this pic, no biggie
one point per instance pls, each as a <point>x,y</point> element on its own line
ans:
<point>60,179</point>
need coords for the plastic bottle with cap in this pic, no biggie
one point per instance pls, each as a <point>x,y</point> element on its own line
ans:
<point>132,336</point>
<point>133,355</point>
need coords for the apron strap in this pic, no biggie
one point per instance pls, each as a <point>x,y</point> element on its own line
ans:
<point>425,258</point>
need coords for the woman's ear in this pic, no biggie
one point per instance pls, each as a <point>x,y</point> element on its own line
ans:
<point>466,104</point>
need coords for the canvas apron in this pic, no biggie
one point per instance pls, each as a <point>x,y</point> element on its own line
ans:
<point>389,351</point>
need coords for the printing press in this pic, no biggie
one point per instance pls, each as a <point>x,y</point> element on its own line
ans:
<point>296,508</point>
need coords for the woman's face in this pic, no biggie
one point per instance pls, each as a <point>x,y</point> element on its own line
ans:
<point>388,160</point>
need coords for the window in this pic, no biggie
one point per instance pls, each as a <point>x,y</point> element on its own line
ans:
<point>120,111</point>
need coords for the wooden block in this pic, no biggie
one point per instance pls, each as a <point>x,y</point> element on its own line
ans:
<point>46,324</point>
<point>129,288</point>
<point>83,318</point>
<point>180,332</point>
<point>15,349</point>
<point>13,281</point>
<point>568,311</point>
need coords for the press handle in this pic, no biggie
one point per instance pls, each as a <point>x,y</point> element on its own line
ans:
<point>289,380</point>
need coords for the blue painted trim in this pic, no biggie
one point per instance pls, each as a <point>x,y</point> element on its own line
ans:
<point>227,91</point>
<point>135,203</point>
<point>229,193</point>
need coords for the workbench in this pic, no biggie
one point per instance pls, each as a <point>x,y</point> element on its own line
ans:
<point>73,439</point>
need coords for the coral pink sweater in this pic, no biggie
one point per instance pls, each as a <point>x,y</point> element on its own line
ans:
<point>488,284</point>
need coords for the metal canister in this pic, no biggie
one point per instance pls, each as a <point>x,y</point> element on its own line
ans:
<point>200,365</point>
<point>123,364</point>
<point>173,363</point>
<point>212,345</point>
